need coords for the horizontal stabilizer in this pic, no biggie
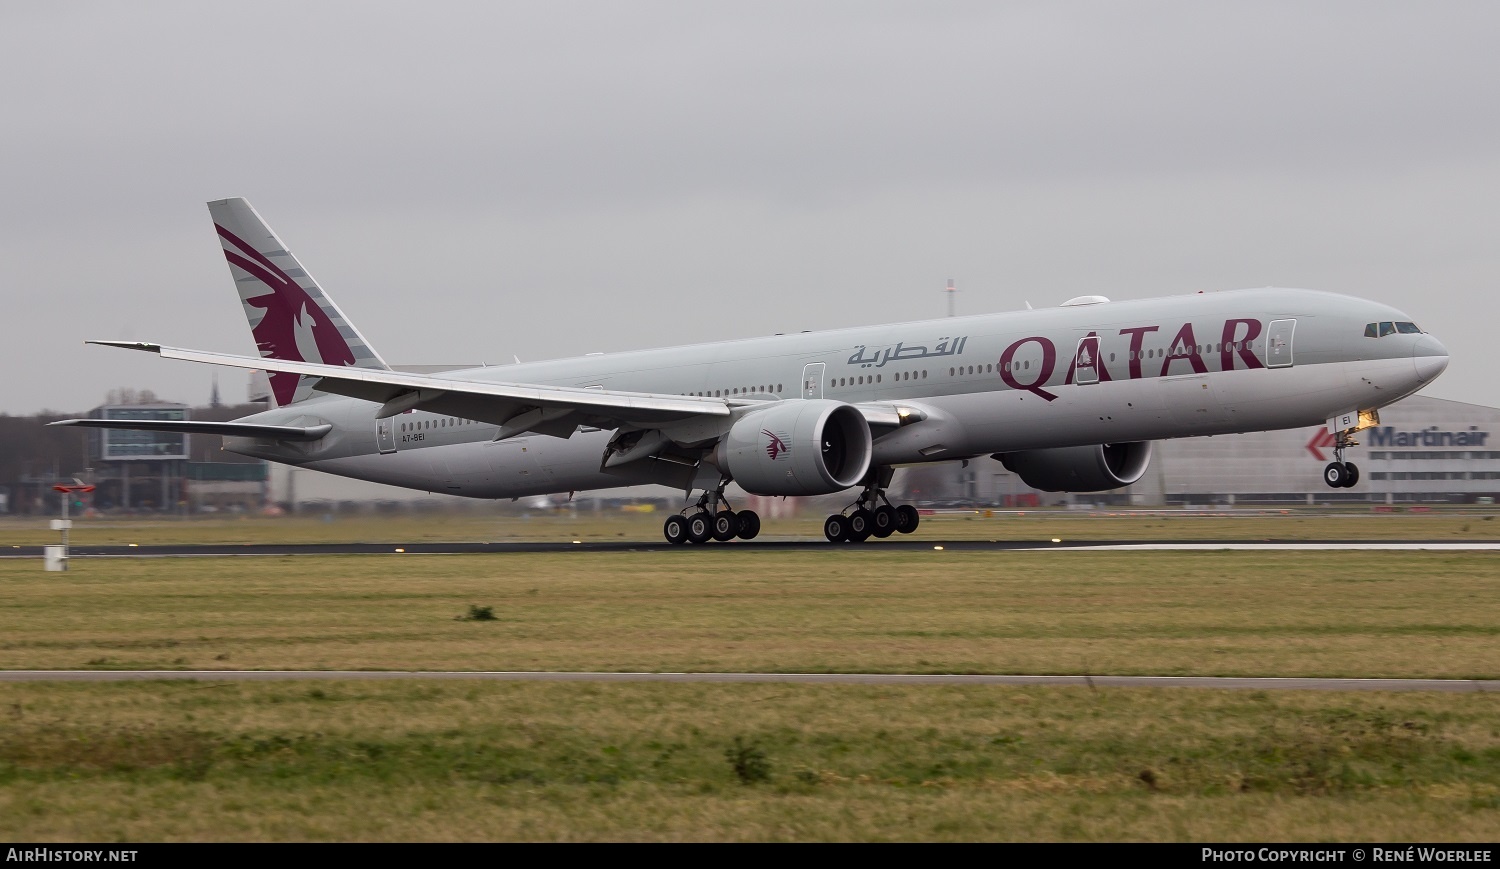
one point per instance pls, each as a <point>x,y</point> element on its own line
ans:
<point>230,429</point>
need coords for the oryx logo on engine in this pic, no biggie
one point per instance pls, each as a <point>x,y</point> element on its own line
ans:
<point>776,446</point>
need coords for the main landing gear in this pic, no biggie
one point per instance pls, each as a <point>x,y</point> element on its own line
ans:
<point>711,519</point>
<point>869,517</point>
<point>1341,474</point>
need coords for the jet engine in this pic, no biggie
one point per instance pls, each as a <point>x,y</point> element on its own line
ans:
<point>797,448</point>
<point>1080,469</point>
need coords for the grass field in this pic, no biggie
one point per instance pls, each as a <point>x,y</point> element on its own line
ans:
<point>553,526</point>
<point>440,761</point>
<point>1203,613</point>
<point>455,761</point>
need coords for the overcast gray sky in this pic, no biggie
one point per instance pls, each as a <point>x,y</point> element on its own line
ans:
<point>473,181</point>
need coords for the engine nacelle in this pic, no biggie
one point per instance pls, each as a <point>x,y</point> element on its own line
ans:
<point>797,448</point>
<point>1080,469</point>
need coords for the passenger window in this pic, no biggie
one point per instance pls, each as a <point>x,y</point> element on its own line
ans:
<point>1387,328</point>
<point>1408,329</point>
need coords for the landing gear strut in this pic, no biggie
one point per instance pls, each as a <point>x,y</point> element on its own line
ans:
<point>872,514</point>
<point>1340,474</point>
<point>711,519</point>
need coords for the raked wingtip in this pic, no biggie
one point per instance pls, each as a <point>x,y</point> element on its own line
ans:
<point>129,345</point>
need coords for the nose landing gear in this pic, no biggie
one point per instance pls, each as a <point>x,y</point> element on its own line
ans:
<point>1340,474</point>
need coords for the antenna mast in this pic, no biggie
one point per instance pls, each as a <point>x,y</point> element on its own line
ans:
<point>951,292</point>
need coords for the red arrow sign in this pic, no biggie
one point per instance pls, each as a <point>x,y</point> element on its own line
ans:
<point>1320,441</point>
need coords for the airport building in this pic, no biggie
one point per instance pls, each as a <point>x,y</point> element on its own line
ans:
<point>170,471</point>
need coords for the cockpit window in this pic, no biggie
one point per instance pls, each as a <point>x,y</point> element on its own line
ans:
<point>1380,330</point>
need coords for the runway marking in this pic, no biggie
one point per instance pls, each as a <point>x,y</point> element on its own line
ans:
<point>1218,682</point>
<point>473,548</point>
<point>1107,547</point>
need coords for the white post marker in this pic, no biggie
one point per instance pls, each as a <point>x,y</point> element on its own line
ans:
<point>56,557</point>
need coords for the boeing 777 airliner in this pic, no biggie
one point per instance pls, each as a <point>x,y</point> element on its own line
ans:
<point>1069,398</point>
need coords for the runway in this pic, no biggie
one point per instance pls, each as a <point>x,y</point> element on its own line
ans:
<point>1213,682</point>
<point>773,545</point>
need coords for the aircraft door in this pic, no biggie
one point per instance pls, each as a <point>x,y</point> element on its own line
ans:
<point>385,434</point>
<point>1279,343</point>
<point>1086,361</point>
<point>812,380</point>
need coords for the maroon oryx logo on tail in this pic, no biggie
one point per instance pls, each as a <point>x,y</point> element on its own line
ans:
<point>294,328</point>
<point>777,446</point>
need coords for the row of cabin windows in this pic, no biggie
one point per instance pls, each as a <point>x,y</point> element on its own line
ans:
<point>441,422</point>
<point>1199,349</point>
<point>1387,327</point>
<point>870,379</point>
<point>737,390</point>
<point>1025,365</point>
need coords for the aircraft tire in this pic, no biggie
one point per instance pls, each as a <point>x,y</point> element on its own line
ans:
<point>907,518</point>
<point>1335,475</point>
<point>836,528</point>
<point>1353,471</point>
<point>861,525</point>
<point>675,530</point>
<point>700,527</point>
<point>725,526</point>
<point>884,524</point>
<point>748,522</point>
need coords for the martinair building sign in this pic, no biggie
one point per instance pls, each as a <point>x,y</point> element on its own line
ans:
<point>1388,436</point>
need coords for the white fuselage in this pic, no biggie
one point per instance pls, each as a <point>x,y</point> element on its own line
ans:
<point>1204,364</point>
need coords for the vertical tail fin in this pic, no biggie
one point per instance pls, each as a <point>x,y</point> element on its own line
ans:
<point>290,315</point>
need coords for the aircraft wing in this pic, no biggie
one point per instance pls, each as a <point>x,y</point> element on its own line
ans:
<point>231,429</point>
<point>515,407</point>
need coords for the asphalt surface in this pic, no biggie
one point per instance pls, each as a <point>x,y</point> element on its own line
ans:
<point>1218,682</point>
<point>900,544</point>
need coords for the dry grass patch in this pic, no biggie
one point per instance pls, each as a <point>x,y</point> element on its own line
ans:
<point>424,761</point>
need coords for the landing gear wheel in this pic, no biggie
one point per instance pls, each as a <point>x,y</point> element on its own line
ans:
<point>749,524</point>
<point>836,528</point>
<point>675,530</point>
<point>907,519</point>
<point>725,526</point>
<point>1352,470</point>
<point>1335,475</point>
<point>884,523</point>
<point>861,525</point>
<point>700,527</point>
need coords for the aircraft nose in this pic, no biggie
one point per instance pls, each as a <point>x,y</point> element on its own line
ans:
<point>1430,357</point>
